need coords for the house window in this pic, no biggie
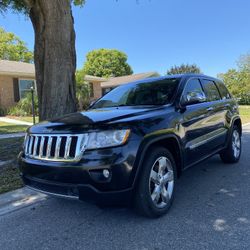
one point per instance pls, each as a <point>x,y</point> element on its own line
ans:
<point>24,87</point>
<point>91,89</point>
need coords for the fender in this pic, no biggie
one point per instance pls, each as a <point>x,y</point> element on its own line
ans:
<point>144,146</point>
<point>233,120</point>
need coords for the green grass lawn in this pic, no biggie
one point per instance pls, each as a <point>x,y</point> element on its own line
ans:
<point>9,173</point>
<point>7,128</point>
<point>245,113</point>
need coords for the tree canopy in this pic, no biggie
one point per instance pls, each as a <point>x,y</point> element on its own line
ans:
<point>238,80</point>
<point>13,48</point>
<point>106,63</point>
<point>183,69</point>
<point>22,5</point>
<point>15,5</point>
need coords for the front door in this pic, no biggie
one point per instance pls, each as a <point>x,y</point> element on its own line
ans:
<point>195,123</point>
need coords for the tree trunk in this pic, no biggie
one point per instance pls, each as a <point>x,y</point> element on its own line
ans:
<point>54,56</point>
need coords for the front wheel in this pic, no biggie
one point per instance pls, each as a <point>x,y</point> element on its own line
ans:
<point>155,191</point>
<point>232,153</point>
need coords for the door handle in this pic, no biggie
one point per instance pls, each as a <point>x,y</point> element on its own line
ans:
<point>210,109</point>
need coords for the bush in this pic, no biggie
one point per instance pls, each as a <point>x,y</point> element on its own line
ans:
<point>24,106</point>
<point>3,112</point>
<point>82,91</point>
<point>82,95</point>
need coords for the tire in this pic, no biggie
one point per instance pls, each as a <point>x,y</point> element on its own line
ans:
<point>156,186</point>
<point>232,153</point>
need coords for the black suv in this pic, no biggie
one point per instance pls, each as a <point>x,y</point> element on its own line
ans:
<point>131,145</point>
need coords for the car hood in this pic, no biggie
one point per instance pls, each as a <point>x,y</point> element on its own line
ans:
<point>93,119</point>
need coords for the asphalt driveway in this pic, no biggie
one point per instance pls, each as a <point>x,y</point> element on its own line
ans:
<point>211,211</point>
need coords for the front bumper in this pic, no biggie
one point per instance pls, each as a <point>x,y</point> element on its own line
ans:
<point>79,191</point>
<point>84,180</point>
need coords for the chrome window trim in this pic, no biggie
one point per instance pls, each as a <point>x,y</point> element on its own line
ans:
<point>207,137</point>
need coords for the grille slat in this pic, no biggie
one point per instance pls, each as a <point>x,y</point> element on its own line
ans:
<point>41,146</point>
<point>49,147</point>
<point>31,139</point>
<point>35,145</point>
<point>27,140</point>
<point>56,147</point>
<point>68,144</point>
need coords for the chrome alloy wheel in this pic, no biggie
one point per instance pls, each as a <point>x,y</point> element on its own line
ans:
<point>161,182</point>
<point>236,143</point>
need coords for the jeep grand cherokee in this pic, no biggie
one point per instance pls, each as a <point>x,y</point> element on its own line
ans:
<point>130,146</point>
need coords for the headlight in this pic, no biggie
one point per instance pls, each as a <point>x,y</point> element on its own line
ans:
<point>108,138</point>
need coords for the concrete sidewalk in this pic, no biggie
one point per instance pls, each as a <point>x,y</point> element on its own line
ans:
<point>13,121</point>
<point>13,135</point>
<point>18,199</point>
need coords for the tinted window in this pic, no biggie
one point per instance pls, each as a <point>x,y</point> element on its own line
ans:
<point>223,90</point>
<point>192,86</point>
<point>210,90</point>
<point>149,93</point>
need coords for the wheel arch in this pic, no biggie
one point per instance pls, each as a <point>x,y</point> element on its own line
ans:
<point>235,121</point>
<point>238,123</point>
<point>170,142</point>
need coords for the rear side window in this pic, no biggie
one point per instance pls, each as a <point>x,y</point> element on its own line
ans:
<point>223,90</point>
<point>210,90</point>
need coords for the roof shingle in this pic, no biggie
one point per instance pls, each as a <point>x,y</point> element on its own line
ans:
<point>17,68</point>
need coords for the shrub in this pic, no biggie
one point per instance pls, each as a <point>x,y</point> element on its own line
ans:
<point>3,112</point>
<point>24,106</point>
<point>82,95</point>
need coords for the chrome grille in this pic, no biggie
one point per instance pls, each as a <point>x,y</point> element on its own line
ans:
<point>55,147</point>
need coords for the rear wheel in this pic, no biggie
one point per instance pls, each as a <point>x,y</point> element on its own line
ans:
<point>155,192</point>
<point>232,153</point>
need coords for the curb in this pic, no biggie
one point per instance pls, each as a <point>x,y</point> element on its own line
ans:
<point>20,198</point>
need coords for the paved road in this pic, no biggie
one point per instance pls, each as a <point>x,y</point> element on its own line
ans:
<point>211,211</point>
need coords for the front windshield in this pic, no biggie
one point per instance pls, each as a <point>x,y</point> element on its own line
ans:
<point>148,93</point>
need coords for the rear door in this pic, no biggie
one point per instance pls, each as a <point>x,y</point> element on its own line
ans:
<point>216,121</point>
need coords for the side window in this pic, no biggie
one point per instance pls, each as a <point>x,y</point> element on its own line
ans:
<point>223,90</point>
<point>210,90</point>
<point>192,86</point>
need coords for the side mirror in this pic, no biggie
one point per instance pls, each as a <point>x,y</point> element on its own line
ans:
<point>194,97</point>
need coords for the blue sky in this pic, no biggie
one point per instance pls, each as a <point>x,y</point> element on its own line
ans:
<point>156,34</point>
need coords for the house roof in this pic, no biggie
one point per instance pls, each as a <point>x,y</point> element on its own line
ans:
<point>17,68</point>
<point>90,78</point>
<point>115,81</point>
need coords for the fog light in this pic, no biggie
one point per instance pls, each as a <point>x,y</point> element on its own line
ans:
<point>106,173</point>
